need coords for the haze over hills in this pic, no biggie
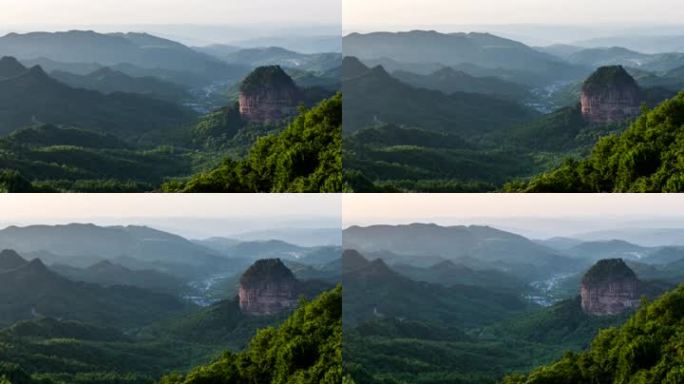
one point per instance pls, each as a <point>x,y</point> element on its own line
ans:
<point>174,104</point>
<point>33,96</point>
<point>549,317</point>
<point>538,124</point>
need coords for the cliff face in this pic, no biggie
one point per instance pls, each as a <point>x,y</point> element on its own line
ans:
<point>268,94</point>
<point>610,95</point>
<point>268,287</point>
<point>610,287</point>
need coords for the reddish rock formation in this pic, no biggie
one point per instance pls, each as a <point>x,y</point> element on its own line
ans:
<point>610,95</point>
<point>610,287</point>
<point>268,94</point>
<point>268,287</point>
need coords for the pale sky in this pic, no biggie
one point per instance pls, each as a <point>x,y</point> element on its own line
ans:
<point>127,12</point>
<point>407,14</point>
<point>195,215</point>
<point>537,215</point>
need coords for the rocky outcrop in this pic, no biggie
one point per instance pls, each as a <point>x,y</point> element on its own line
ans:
<point>268,287</point>
<point>610,95</point>
<point>268,94</point>
<point>610,287</point>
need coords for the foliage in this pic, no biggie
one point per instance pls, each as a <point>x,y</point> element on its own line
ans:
<point>305,157</point>
<point>646,349</point>
<point>647,157</point>
<point>306,348</point>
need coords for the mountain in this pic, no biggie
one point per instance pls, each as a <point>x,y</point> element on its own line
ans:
<point>596,250</point>
<point>628,162</point>
<point>480,49</point>
<point>268,95</point>
<point>33,97</point>
<point>268,287</point>
<point>449,80</point>
<point>107,273</point>
<point>489,247</point>
<point>653,331</point>
<point>133,246</point>
<point>610,95</point>
<point>374,291</point>
<point>10,259</point>
<point>304,157</point>
<point>652,44</point>
<point>610,287</point>
<point>258,57</point>
<point>32,290</point>
<point>307,347</point>
<point>107,81</point>
<point>303,237</point>
<point>375,97</point>
<point>646,237</point>
<point>10,67</point>
<point>139,49</point>
<point>597,57</point>
<point>448,273</point>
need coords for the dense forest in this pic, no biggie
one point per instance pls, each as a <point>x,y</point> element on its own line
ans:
<point>140,113</point>
<point>646,349</point>
<point>304,157</point>
<point>644,158</point>
<point>306,348</point>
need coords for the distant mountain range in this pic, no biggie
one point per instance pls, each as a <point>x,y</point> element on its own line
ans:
<point>478,49</point>
<point>31,290</point>
<point>479,247</point>
<point>373,96</point>
<point>30,96</point>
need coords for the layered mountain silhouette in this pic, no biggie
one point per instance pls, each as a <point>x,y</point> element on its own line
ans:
<point>374,291</point>
<point>476,49</point>
<point>135,247</point>
<point>479,246</point>
<point>32,96</point>
<point>139,49</point>
<point>107,80</point>
<point>32,290</point>
<point>373,97</point>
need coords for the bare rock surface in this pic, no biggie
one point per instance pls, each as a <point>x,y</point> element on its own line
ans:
<point>610,287</point>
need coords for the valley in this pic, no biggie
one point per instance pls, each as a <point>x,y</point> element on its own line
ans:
<point>83,303</point>
<point>83,111</point>
<point>499,112</point>
<point>426,303</point>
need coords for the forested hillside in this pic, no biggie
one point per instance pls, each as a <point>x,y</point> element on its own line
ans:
<point>646,349</point>
<point>306,348</point>
<point>305,157</point>
<point>645,158</point>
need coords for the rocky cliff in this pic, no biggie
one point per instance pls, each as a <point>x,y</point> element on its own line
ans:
<point>268,94</point>
<point>268,287</point>
<point>610,95</point>
<point>610,287</point>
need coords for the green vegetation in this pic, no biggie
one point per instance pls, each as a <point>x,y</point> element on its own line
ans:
<point>306,348</point>
<point>266,270</point>
<point>265,79</point>
<point>608,269</point>
<point>398,330</point>
<point>644,158</point>
<point>646,349</point>
<point>608,76</point>
<point>305,157</point>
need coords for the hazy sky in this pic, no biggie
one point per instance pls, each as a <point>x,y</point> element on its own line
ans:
<point>459,12</point>
<point>536,215</point>
<point>79,12</point>
<point>194,215</point>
